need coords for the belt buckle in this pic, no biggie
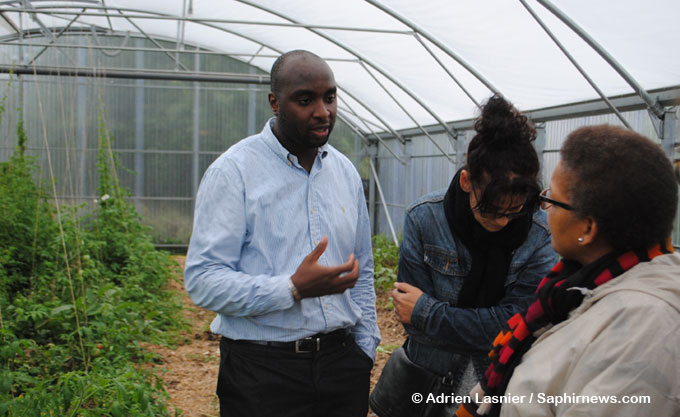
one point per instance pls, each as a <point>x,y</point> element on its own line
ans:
<point>299,349</point>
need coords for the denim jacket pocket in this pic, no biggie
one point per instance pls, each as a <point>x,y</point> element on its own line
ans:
<point>513,272</point>
<point>447,272</point>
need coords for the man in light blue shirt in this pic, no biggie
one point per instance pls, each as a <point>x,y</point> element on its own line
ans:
<point>281,250</point>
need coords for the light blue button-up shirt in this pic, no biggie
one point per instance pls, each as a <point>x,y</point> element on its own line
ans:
<point>258,214</point>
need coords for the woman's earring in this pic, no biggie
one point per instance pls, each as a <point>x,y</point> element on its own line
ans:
<point>580,240</point>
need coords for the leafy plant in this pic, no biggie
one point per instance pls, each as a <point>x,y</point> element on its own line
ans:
<point>386,262</point>
<point>78,292</point>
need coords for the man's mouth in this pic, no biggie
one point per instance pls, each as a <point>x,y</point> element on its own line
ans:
<point>320,130</point>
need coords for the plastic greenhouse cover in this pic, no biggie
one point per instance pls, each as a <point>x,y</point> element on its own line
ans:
<point>371,51</point>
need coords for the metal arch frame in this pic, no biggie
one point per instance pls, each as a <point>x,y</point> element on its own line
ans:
<point>360,57</point>
<point>47,33</point>
<point>419,30</point>
<point>10,22</point>
<point>378,138</point>
<point>207,24</point>
<point>160,47</point>
<point>153,50</point>
<point>233,77</point>
<point>441,64</point>
<point>575,63</point>
<point>374,114</point>
<point>349,123</point>
<point>146,14</point>
<point>181,25</point>
<point>651,103</point>
<point>387,91</point>
<point>54,39</point>
<point>668,96</point>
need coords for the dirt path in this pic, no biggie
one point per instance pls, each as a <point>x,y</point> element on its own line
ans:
<point>190,371</point>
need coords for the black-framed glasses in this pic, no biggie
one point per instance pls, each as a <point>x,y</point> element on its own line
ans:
<point>497,214</point>
<point>547,202</point>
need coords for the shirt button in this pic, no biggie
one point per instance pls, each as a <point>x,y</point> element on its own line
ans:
<point>326,306</point>
<point>312,211</point>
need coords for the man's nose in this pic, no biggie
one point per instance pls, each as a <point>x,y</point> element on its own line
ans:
<point>321,109</point>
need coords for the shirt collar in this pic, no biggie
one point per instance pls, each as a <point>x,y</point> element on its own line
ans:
<point>273,143</point>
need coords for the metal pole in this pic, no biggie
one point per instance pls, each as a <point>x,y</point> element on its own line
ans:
<point>372,152</point>
<point>406,112</point>
<point>376,115</point>
<point>435,41</point>
<point>375,135</point>
<point>126,74</point>
<point>131,48</point>
<point>139,129</point>
<point>539,145</point>
<point>669,139</point>
<point>54,40</point>
<point>362,58</point>
<point>252,104</point>
<point>158,45</point>
<point>384,204</point>
<point>151,15</point>
<point>180,33</point>
<point>196,137</point>
<point>576,64</point>
<point>460,151</point>
<point>81,100</point>
<point>651,103</point>
<point>441,64</point>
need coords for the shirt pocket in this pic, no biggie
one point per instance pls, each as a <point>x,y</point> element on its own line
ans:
<point>446,272</point>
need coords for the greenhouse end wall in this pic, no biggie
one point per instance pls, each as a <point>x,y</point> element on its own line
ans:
<point>427,169</point>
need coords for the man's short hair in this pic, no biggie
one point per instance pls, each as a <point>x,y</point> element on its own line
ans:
<point>276,79</point>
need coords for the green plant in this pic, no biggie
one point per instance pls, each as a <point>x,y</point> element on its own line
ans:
<point>78,292</point>
<point>386,262</point>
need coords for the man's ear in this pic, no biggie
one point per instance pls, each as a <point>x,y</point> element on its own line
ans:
<point>274,104</point>
<point>465,182</point>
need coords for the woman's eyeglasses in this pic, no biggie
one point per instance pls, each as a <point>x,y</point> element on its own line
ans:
<point>509,216</point>
<point>547,202</point>
<point>493,214</point>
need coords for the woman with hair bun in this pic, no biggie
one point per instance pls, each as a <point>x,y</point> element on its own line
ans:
<point>471,257</point>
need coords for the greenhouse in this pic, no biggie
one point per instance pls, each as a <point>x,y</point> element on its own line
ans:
<point>135,99</point>
<point>177,84</point>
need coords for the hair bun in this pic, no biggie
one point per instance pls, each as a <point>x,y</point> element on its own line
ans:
<point>502,126</point>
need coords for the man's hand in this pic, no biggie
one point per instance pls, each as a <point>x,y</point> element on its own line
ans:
<point>314,280</point>
<point>405,297</point>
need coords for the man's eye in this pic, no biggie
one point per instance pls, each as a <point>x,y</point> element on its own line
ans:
<point>330,99</point>
<point>304,101</point>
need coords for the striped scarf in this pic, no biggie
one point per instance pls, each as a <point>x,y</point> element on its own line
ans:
<point>561,291</point>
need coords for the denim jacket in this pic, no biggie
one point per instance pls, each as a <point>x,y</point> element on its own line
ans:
<point>442,337</point>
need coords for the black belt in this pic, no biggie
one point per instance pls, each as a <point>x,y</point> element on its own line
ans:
<point>314,343</point>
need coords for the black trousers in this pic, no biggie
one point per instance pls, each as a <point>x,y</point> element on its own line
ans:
<point>268,381</point>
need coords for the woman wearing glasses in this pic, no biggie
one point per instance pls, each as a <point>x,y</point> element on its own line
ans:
<point>601,338</point>
<point>471,257</point>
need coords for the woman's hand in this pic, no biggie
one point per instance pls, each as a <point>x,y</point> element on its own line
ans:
<point>405,297</point>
